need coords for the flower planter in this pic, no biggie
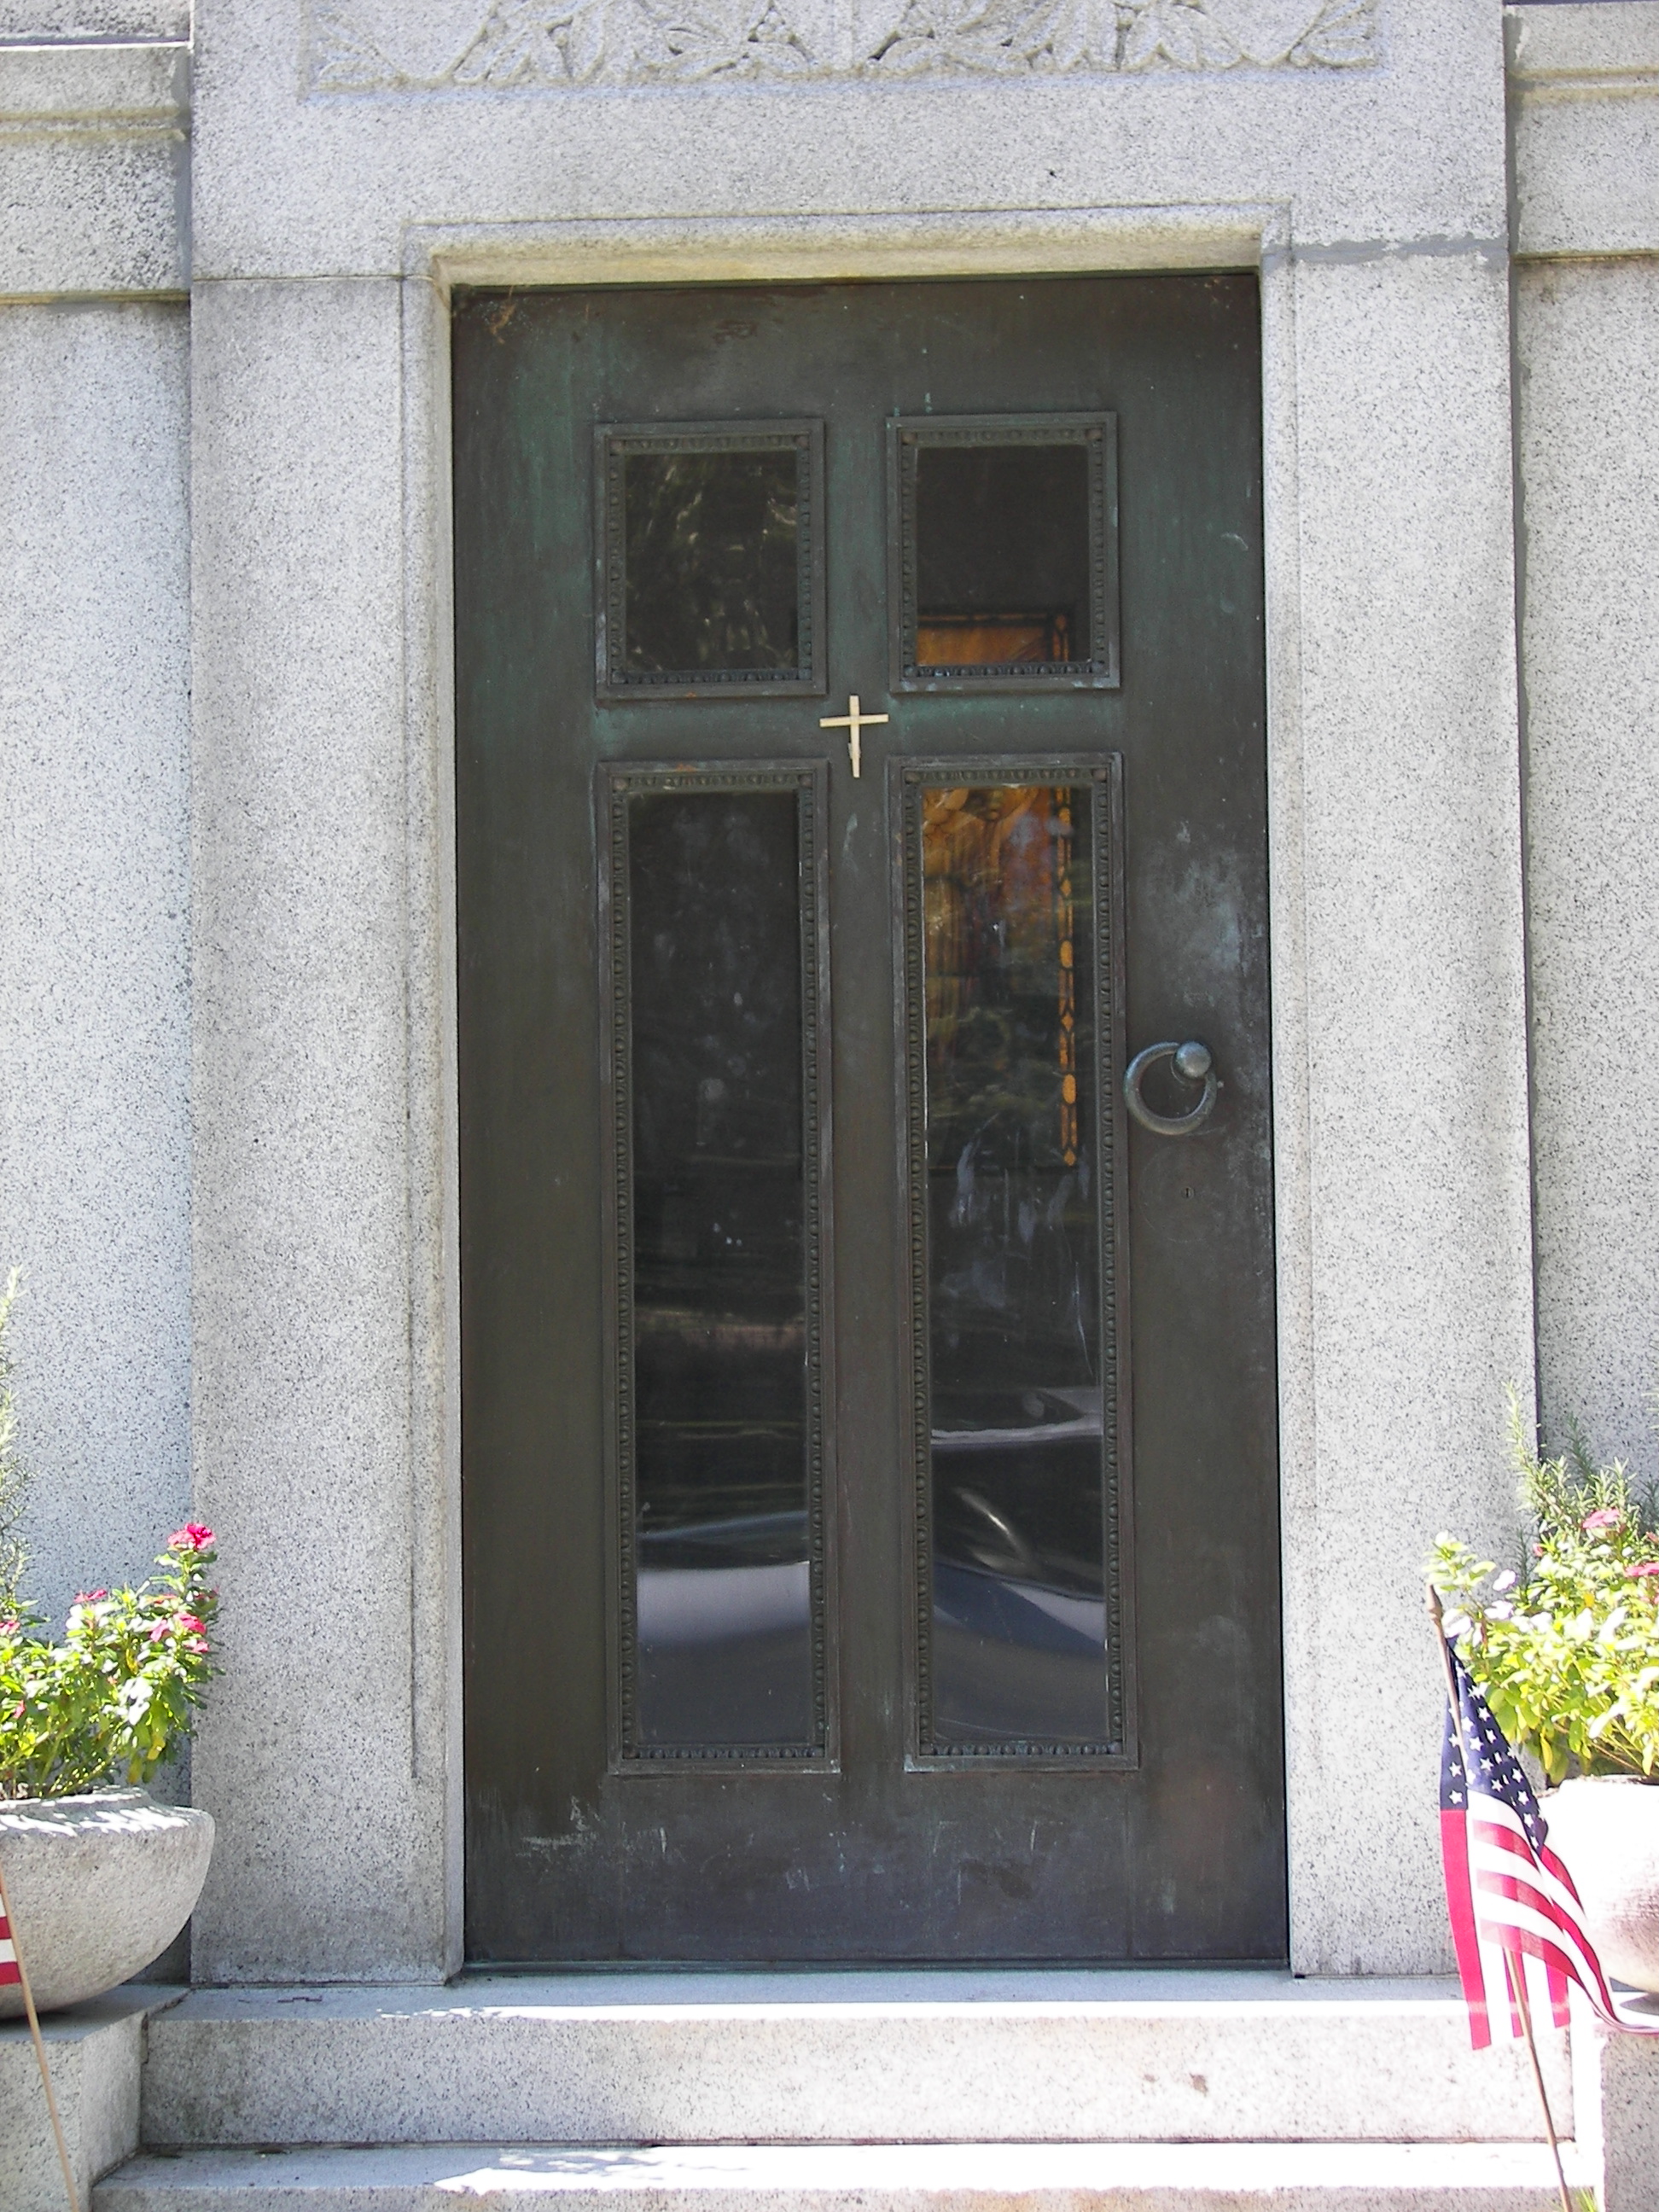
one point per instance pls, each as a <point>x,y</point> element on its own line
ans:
<point>99,1885</point>
<point>1606,1827</point>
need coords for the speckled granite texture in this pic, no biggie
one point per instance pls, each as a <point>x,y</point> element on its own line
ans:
<point>96,2052</point>
<point>303,1112</point>
<point>94,1138</point>
<point>863,2178</point>
<point>1588,333</point>
<point>948,2054</point>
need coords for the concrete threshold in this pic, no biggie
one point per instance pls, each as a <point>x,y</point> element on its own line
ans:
<point>1243,2177</point>
<point>993,2055</point>
<point>669,1994</point>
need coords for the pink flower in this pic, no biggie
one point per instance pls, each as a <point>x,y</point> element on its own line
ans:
<point>90,1597</point>
<point>9,1627</point>
<point>1606,1518</point>
<point>192,1537</point>
<point>188,1623</point>
<point>158,1629</point>
<point>1647,1567</point>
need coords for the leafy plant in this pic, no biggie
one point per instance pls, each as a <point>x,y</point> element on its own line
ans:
<point>110,1701</point>
<point>13,1477</point>
<point>1567,1649</point>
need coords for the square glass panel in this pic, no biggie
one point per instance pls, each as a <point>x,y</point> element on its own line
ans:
<point>711,561</point>
<point>1019,1644</point>
<point>1004,559</point>
<point>714,1019</point>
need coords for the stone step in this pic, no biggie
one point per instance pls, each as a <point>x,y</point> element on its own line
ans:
<point>999,2057</point>
<point>1245,2177</point>
<point>95,2052</point>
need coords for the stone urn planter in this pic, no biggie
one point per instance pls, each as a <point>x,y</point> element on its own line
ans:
<point>1606,1827</point>
<point>99,1885</point>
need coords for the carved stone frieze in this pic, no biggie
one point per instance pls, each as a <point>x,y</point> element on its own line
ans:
<point>387,45</point>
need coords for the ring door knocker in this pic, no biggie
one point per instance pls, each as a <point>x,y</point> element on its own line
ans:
<point>1193,1064</point>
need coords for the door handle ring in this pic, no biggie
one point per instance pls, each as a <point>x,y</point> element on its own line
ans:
<point>1194,1063</point>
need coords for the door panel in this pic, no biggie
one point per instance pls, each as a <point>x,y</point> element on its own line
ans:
<point>802,1620</point>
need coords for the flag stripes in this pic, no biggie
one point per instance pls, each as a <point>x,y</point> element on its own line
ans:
<point>1517,1921</point>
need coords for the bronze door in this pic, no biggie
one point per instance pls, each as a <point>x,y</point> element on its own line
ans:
<point>869,1451</point>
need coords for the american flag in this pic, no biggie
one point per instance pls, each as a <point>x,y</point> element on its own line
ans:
<point>1513,1908</point>
<point>9,1971</point>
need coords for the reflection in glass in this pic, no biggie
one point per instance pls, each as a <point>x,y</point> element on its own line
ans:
<point>723,1589</point>
<point>711,551</point>
<point>1019,1628</point>
<point>1002,556</point>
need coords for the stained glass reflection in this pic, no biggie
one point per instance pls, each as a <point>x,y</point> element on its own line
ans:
<point>1018,1629</point>
<point>723,1582</point>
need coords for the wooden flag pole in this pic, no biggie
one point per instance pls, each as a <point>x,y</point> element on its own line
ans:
<point>1515,1969</point>
<point>39,2047</point>
<point>1517,1976</point>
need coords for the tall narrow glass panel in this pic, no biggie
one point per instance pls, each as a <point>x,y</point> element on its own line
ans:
<point>1017,1640</point>
<point>722,1655</point>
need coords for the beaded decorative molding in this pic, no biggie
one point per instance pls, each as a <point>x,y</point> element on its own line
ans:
<point>385,46</point>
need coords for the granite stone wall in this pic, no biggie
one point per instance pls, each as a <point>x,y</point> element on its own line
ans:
<point>95,900</point>
<point>226,922</point>
<point>95,712</point>
<point>1588,338</point>
<point>1586,92</point>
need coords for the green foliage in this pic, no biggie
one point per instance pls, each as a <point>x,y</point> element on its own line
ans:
<point>1566,1651</point>
<point>13,1478</point>
<point>108,1703</point>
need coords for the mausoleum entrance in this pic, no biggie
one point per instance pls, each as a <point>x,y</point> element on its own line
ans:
<point>869,1448</point>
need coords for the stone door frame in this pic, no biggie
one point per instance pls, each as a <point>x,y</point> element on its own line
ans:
<point>1404,1261</point>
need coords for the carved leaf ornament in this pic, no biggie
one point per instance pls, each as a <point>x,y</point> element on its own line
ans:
<point>356,46</point>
